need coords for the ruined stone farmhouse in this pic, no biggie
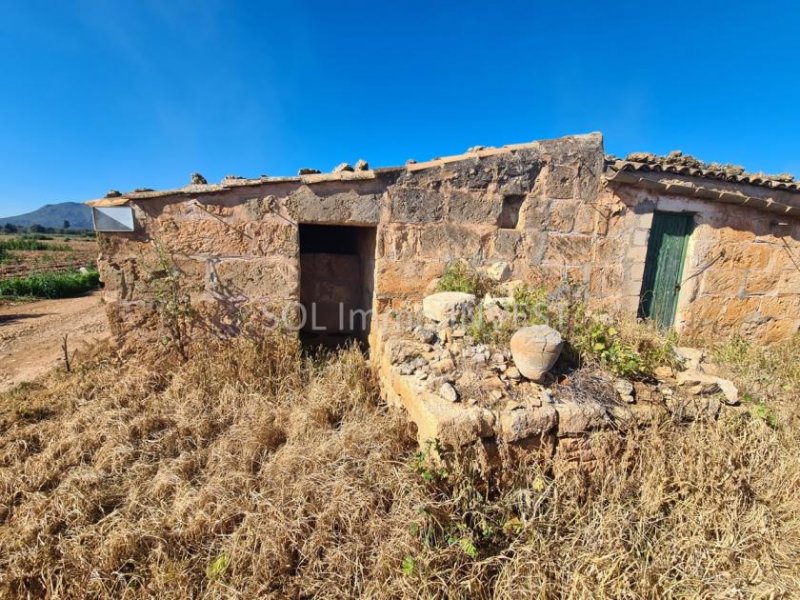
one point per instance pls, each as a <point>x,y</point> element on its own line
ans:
<point>706,249</point>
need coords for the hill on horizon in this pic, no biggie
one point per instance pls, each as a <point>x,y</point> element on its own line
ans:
<point>54,215</point>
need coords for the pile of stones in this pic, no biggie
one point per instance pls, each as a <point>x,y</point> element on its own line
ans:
<point>456,387</point>
<point>451,364</point>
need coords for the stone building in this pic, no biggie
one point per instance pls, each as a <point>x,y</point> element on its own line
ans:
<point>706,249</point>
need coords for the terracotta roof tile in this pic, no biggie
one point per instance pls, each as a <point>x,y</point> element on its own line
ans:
<point>684,164</point>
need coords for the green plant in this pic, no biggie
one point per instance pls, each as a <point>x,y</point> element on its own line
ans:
<point>425,462</point>
<point>172,301</point>
<point>50,285</point>
<point>460,277</point>
<point>604,343</point>
<point>29,244</point>
<point>761,411</point>
<point>408,565</point>
<point>218,566</point>
<point>531,305</point>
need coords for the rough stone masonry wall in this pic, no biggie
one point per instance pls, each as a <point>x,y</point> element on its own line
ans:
<point>534,208</point>
<point>236,250</point>
<point>742,271</point>
<point>543,208</point>
<point>232,256</point>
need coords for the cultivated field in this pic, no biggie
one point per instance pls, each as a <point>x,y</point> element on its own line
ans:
<point>250,471</point>
<point>21,256</point>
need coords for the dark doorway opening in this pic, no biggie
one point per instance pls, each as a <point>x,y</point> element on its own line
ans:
<point>337,282</point>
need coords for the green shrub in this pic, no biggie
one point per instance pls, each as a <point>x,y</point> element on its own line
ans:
<point>50,285</point>
<point>528,307</point>
<point>531,305</point>
<point>460,277</point>
<point>30,244</point>
<point>604,343</point>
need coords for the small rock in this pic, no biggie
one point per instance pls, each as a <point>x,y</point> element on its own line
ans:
<point>624,389</point>
<point>690,357</point>
<point>701,384</point>
<point>113,194</point>
<point>663,373</point>
<point>406,368</point>
<point>448,392</point>
<point>341,167</point>
<point>443,366</point>
<point>306,171</point>
<point>198,179</point>
<point>362,165</point>
<point>703,407</point>
<point>459,332</point>
<point>448,306</point>
<point>522,422</point>
<point>499,271</point>
<point>443,334</point>
<point>513,373</point>
<point>507,288</point>
<point>703,389</point>
<point>425,335</point>
<point>497,358</point>
<point>479,359</point>
<point>729,391</point>
<point>495,394</point>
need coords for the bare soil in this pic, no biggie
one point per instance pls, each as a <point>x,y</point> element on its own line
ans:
<point>82,254</point>
<point>32,333</point>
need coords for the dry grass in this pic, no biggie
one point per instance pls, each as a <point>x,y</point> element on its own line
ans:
<point>253,472</point>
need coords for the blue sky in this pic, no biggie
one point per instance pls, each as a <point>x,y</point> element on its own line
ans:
<point>100,95</point>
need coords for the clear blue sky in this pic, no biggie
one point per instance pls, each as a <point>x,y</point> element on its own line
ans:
<point>99,95</point>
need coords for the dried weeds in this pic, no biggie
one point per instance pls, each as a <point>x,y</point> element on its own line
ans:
<point>251,471</point>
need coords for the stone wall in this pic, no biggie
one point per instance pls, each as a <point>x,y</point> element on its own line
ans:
<point>234,252</point>
<point>742,271</point>
<point>533,208</point>
<point>230,256</point>
<point>231,251</point>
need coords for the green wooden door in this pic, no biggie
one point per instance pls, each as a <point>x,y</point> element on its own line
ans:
<point>663,269</point>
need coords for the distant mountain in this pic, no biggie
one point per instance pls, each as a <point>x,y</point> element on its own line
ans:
<point>54,215</point>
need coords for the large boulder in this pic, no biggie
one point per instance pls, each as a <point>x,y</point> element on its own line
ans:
<point>448,306</point>
<point>535,350</point>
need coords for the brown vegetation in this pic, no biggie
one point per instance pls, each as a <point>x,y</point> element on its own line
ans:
<point>251,471</point>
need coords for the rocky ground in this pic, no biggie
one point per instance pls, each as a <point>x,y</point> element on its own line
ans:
<point>459,390</point>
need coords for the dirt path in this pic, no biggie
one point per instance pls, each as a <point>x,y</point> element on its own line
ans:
<point>31,334</point>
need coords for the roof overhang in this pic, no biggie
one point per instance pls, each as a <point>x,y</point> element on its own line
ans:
<point>773,201</point>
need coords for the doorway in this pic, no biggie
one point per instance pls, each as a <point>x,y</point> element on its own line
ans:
<point>337,266</point>
<point>663,269</point>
